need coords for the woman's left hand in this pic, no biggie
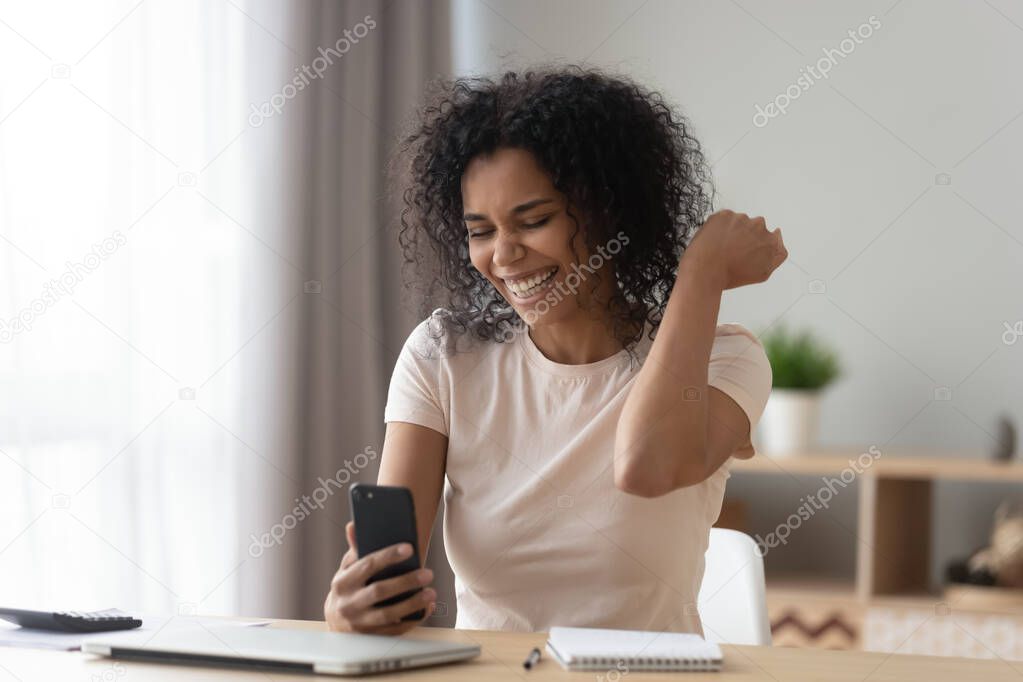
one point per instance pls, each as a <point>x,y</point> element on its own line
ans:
<point>737,249</point>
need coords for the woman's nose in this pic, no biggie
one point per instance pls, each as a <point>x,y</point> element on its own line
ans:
<point>507,250</point>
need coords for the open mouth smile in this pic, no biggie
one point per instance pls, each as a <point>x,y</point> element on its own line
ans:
<point>527,287</point>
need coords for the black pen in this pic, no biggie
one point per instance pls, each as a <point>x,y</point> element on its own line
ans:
<point>532,659</point>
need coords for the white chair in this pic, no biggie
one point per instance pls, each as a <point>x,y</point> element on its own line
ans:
<point>732,601</point>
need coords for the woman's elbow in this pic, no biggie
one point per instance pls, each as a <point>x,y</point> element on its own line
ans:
<point>645,481</point>
<point>631,480</point>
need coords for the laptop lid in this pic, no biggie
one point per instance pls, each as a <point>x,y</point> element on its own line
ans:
<point>332,653</point>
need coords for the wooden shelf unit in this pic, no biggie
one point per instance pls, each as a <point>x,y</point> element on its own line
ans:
<point>903,464</point>
<point>895,512</point>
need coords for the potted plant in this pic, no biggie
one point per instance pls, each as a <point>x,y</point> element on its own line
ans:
<point>802,367</point>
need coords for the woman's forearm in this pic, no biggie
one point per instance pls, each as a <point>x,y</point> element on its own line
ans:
<point>661,439</point>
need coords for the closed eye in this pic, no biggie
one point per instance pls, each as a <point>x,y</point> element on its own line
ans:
<point>480,234</point>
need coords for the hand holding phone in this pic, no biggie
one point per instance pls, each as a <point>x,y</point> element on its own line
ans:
<point>385,516</point>
<point>378,588</point>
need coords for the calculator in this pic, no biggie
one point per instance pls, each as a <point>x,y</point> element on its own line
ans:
<point>71,621</point>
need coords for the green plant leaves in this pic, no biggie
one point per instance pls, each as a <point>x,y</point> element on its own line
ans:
<point>799,360</point>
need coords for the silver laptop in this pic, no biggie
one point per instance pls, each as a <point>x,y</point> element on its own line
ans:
<point>313,651</point>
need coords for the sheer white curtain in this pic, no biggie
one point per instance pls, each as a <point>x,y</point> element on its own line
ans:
<point>146,315</point>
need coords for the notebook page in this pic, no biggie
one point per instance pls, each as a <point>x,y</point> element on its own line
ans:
<point>582,643</point>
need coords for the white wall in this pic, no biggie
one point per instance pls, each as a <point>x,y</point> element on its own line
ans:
<point>919,276</point>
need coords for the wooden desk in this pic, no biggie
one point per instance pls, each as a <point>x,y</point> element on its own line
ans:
<point>503,653</point>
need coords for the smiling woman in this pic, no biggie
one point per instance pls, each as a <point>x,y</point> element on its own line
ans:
<point>580,434</point>
<point>528,250</point>
<point>598,150</point>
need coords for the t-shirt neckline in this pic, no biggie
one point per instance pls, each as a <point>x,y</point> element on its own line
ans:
<point>537,358</point>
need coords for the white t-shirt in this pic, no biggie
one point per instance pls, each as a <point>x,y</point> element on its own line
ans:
<point>535,530</point>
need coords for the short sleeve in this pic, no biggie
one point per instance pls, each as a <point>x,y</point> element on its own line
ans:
<point>739,367</point>
<point>416,393</point>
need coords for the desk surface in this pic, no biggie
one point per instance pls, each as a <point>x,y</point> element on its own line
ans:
<point>503,653</point>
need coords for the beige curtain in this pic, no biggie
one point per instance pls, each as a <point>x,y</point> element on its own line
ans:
<point>352,322</point>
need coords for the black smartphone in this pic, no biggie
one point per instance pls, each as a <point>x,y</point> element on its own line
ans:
<point>385,516</point>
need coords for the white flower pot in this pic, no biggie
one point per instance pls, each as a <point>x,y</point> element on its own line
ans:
<point>790,422</point>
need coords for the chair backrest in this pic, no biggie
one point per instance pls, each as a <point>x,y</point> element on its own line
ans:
<point>732,601</point>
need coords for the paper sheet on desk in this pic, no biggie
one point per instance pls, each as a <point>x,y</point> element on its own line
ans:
<point>70,641</point>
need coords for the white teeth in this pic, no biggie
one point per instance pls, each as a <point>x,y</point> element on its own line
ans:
<point>528,287</point>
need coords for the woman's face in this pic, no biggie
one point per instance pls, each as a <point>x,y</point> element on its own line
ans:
<point>521,237</point>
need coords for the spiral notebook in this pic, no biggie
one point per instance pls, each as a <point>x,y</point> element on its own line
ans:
<point>629,650</point>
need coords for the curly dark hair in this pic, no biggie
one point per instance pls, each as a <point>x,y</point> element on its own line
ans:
<point>617,151</point>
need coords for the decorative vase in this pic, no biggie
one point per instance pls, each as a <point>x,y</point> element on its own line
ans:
<point>790,422</point>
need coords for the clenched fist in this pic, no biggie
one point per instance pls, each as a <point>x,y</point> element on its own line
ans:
<point>737,250</point>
